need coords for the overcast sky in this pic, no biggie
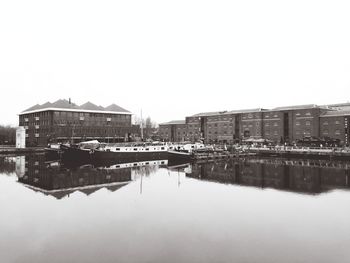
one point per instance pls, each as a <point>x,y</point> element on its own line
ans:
<point>173,58</point>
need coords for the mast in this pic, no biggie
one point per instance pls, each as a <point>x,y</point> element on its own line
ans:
<point>141,126</point>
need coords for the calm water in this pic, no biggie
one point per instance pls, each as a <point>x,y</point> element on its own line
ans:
<point>237,211</point>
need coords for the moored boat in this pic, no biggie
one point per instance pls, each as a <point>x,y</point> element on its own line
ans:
<point>81,152</point>
<point>135,151</point>
<point>185,151</point>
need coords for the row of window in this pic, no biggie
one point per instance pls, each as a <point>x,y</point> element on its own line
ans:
<point>326,132</point>
<point>307,123</point>
<point>336,122</point>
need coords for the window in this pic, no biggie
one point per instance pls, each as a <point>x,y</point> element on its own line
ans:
<point>337,122</point>
<point>325,123</point>
<point>325,132</point>
<point>308,113</point>
<point>297,123</point>
<point>308,123</point>
<point>337,132</point>
<point>275,124</point>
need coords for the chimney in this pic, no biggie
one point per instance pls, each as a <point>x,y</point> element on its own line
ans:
<point>69,101</point>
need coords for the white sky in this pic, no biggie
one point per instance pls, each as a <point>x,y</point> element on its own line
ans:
<point>173,58</point>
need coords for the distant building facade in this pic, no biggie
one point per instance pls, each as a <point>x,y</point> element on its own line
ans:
<point>173,131</point>
<point>64,121</point>
<point>280,125</point>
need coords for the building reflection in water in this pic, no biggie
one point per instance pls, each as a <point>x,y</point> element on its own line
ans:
<point>304,176</point>
<point>7,164</point>
<point>58,180</point>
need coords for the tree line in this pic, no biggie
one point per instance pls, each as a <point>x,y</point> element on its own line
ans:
<point>7,135</point>
<point>149,127</point>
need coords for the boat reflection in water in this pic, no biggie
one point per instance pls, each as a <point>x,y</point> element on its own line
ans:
<point>303,176</point>
<point>60,180</point>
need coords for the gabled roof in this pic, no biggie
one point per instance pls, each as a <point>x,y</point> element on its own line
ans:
<point>35,107</point>
<point>113,188</point>
<point>90,106</point>
<point>114,107</point>
<point>88,191</point>
<point>67,105</point>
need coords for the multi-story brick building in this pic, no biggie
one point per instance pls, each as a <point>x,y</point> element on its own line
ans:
<point>283,124</point>
<point>174,131</point>
<point>273,125</point>
<point>252,123</point>
<point>335,124</point>
<point>221,126</point>
<point>63,121</point>
<point>193,123</point>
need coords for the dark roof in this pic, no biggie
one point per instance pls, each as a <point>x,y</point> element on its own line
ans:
<point>90,106</point>
<point>174,122</point>
<point>114,107</point>
<point>113,188</point>
<point>35,107</point>
<point>65,104</point>
<point>89,191</point>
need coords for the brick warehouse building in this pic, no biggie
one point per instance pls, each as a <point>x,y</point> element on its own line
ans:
<point>174,131</point>
<point>281,124</point>
<point>64,121</point>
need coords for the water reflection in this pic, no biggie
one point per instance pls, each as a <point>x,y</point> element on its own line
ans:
<point>7,164</point>
<point>203,204</point>
<point>59,180</point>
<point>311,177</point>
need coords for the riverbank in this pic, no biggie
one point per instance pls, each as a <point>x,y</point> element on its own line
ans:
<point>300,152</point>
<point>13,150</point>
